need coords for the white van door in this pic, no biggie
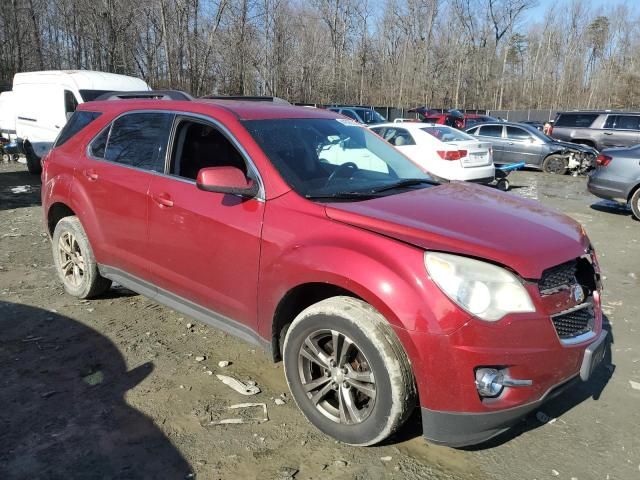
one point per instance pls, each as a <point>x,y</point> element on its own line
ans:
<point>42,111</point>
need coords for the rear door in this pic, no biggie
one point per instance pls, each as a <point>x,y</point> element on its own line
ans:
<point>115,177</point>
<point>493,135</point>
<point>621,131</point>
<point>520,146</point>
<point>205,246</point>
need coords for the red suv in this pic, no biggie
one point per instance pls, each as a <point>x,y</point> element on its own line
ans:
<point>303,232</point>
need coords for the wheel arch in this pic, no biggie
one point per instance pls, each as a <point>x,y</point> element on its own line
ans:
<point>57,211</point>
<point>632,191</point>
<point>295,301</point>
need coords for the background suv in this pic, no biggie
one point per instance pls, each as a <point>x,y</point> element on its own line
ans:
<point>374,284</point>
<point>598,129</point>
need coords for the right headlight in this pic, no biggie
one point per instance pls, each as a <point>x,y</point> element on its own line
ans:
<point>485,290</point>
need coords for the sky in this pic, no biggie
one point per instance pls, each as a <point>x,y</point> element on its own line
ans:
<point>537,12</point>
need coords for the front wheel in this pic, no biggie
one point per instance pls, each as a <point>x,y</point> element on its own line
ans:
<point>555,164</point>
<point>348,372</point>
<point>634,203</point>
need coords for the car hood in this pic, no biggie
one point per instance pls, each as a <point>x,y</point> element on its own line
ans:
<point>471,220</point>
<point>574,146</point>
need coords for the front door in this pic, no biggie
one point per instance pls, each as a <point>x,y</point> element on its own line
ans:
<point>205,245</point>
<point>521,146</point>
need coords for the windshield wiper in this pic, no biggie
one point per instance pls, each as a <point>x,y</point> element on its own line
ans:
<point>407,182</point>
<point>341,195</point>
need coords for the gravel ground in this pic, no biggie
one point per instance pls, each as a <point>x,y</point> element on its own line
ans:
<point>112,388</point>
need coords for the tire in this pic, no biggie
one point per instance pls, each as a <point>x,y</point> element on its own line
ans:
<point>555,164</point>
<point>503,185</point>
<point>33,161</point>
<point>634,203</point>
<point>74,260</point>
<point>374,362</point>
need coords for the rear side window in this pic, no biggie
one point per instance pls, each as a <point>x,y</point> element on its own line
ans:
<point>139,140</point>
<point>623,122</point>
<point>491,131</point>
<point>77,122</point>
<point>575,119</point>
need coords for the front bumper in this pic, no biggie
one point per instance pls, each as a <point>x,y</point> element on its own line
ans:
<point>459,429</point>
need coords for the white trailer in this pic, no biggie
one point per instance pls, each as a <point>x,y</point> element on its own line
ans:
<point>44,101</point>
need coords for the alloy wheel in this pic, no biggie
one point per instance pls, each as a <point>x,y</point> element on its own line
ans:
<point>72,263</point>
<point>336,377</point>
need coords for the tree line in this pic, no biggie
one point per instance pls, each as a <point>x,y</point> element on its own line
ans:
<point>474,54</point>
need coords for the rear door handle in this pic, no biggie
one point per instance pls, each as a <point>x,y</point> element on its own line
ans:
<point>91,175</point>
<point>163,200</point>
<point>608,133</point>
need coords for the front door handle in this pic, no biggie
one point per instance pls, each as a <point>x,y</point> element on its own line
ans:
<point>91,175</point>
<point>608,133</point>
<point>163,200</point>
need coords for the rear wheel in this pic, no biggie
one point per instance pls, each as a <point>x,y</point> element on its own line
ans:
<point>348,372</point>
<point>634,203</point>
<point>75,264</point>
<point>555,164</point>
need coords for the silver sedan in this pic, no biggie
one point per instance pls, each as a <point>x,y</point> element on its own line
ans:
<point>617,177</point>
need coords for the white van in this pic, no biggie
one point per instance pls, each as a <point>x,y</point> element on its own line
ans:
<point>44,101</point>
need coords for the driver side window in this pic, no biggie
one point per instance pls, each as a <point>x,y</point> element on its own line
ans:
<point>200,145</point>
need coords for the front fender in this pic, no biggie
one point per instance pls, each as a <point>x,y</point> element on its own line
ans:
<point>388,274</point>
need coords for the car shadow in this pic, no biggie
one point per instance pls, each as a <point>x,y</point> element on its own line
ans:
<point>19,189</point>
<point>609,206</point>
<point>63,412</point>
<point>554,408</point>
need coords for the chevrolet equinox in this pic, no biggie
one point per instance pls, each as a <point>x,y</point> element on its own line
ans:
<point>303,232</point>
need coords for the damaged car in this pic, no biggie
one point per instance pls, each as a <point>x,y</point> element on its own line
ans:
<point>379,288</point>
<point>516,142</point>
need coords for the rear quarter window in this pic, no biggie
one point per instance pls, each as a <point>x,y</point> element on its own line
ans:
<point>583,120</point>
<point>77,122</point>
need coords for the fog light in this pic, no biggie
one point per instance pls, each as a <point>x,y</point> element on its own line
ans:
<point>489,382</point>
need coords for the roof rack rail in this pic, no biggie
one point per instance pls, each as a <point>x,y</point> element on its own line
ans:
<point>247,98</point>
<point>146,95</point>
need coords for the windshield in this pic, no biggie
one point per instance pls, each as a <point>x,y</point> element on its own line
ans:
<point>333,157</point>
<point>371,116</point>
<point>447,134</point>
<point>90,95</point>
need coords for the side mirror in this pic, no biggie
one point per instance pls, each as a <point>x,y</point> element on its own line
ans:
<point>226,180</point>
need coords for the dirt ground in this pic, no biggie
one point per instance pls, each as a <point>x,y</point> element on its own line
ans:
<point>111,388</point>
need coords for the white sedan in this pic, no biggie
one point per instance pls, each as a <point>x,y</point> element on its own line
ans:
<point>441,150</point>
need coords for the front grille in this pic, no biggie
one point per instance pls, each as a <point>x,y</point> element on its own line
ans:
<point>558,276</point>
<point>572,324</point>
<point>568,276</point>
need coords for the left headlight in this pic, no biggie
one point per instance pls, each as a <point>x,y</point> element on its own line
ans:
<point>482,289</point>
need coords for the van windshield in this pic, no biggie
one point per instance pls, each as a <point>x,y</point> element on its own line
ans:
<point>334,158</point>
<point>90,95</point>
